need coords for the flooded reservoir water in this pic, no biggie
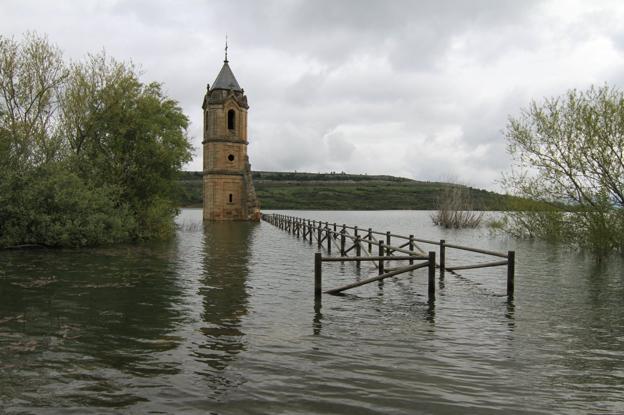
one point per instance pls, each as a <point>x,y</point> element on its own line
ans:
<point>224,321</point>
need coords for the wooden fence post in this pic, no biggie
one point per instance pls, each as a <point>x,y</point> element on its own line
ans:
<point>381,254</point>
<point>431,283</point>
<point>511,269</point>
<point>442,257</point>
<point>327,232</point>
<point>320,235</point>
<point>318,263</point>
<point>370,238</point>
<point>411,248</point>
<point>388,242</point>
<point>328,236</point>
<point>342,240</point>
<point>358,250</point>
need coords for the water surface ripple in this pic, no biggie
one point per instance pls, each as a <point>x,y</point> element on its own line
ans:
<point>224,321</point>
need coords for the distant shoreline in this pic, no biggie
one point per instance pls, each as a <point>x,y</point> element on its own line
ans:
<point>341,191</point>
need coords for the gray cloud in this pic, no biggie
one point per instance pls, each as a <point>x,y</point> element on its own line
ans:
<point>414,88</point>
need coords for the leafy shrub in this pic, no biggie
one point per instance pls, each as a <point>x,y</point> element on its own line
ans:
<point>52,206</point>
<point>456,210</point>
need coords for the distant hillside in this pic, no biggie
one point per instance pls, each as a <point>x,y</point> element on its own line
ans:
<point>340,191</point>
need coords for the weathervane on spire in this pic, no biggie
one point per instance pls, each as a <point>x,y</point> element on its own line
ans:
<point>226,47</point>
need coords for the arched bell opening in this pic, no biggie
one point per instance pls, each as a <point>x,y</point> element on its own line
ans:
<point>231,119</point>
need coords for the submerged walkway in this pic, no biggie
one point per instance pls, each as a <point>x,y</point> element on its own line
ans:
<point>357,241</point>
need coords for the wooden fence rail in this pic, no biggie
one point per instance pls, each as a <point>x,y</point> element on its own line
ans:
<point>318,260</point>
<point>353,239</point>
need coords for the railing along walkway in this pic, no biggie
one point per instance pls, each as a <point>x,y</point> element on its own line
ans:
<point>346,239</point>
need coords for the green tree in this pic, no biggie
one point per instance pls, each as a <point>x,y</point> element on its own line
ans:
<point>88,153</point>
<point>128,134</point>
<point>32,75</point>
<point>568,154</point>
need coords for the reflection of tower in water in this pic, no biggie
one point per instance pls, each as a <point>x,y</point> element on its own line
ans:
<point>226,252</point>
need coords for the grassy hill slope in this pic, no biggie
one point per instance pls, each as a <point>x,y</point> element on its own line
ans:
<point>339,191</point>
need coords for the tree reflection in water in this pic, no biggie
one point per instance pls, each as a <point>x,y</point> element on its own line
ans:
<point>116,308</point>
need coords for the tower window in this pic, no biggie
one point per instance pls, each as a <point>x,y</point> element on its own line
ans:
<point>230,197</point>
<point>231,119</point>
<point>231,157</point>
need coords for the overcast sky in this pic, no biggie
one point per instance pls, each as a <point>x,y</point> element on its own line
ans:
<point>419,89</point>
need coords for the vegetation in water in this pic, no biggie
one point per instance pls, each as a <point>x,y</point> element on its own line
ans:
<point>456,209</point>
<point>88,153</point>
<point>569,154</point>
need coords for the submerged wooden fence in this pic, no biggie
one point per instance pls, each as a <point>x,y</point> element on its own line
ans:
<point>346,239</point>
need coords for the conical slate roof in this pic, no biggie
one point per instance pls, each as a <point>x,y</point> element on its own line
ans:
<point>226,79</point>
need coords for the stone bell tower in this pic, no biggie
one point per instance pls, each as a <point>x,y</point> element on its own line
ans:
<point>228,188</point>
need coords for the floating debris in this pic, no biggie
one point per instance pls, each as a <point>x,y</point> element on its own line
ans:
<point>66,330</point>
<point>109,285</point>
<point>18,319</point>
<point>23,346</point>
<point>38,283</point>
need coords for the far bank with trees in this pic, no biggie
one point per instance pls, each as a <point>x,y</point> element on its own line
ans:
<point>343,191</point>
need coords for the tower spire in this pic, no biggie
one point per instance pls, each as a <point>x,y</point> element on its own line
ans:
<point>226,48</point>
